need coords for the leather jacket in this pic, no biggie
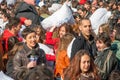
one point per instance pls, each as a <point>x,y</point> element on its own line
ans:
<point>21,60</point>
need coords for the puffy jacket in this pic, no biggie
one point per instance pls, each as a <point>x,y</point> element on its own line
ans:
<point>28,11</point>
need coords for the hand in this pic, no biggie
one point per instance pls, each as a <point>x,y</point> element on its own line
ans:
<point>52,28</point>
<point>31,64</point>
<point>28,22</point>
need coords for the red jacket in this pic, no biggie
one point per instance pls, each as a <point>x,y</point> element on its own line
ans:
<point>50,57</point>
<point>52,41</point>
<point>1,47</point>
<point>6,35</point>
<point>22,20</point>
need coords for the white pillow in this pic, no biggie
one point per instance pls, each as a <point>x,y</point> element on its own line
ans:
<point>54,7</point>
<point>99,17</point>
<point>70,48</point>
<point>63,15</point>
<point>4,76</point>
<point>46,49</point>
<point>9,2</point>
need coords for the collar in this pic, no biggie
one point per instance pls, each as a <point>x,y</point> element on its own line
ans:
<point>91,38</point>
<point>102,52</point>
<point>27,49</point>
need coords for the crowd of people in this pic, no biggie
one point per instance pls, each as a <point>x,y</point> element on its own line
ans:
<point>60,39</point>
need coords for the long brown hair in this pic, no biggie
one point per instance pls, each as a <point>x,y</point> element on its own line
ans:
<point>17,47</point>
<point>68,28</point>
<point>73,72</point>
<point>64,41</point>
<point>105,27</point>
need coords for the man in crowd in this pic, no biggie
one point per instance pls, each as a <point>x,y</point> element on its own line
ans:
<point>85,40</point>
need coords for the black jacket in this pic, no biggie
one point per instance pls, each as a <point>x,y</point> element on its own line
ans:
<point>28,11</point>
<point>21,60</point>
<point>81,43</point>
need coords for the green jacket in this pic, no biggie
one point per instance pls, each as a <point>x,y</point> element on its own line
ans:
<point>115,47</point>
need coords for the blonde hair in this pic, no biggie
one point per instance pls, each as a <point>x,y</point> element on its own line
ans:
<point>105,28</point>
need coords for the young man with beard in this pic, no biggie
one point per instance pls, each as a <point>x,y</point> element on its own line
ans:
<point>85,40</point>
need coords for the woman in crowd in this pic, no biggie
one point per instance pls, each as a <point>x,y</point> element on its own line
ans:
<point>40,33</point>
<point>104,28</point>
<point>29,57</point>
<point>9,67</point>
<point>63,29</point>
<point>81,67</point>
<point>11,42</point>
<point>40,36</point>
<point>62,60</point>
<point>115,46</point>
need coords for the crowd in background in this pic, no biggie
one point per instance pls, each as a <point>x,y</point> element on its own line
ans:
<point>40,40</point>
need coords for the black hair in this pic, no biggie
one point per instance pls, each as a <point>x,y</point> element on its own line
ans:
<point>76,15</point>
<point>117,35</point>
<point>40,72</point>
<point>115,75</point>
<point>105,38</point>
<point>13,22</point>
<point>6,14</point>
<point>3,2</point>
<point>27,31</point>
<point>81,8</point>
<point>11,42</point>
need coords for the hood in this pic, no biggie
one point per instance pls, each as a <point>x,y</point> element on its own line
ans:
<point>7,34</point>
<point>115,44</point>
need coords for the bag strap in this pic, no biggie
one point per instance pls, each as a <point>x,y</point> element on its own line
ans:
<point>107,59</point>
